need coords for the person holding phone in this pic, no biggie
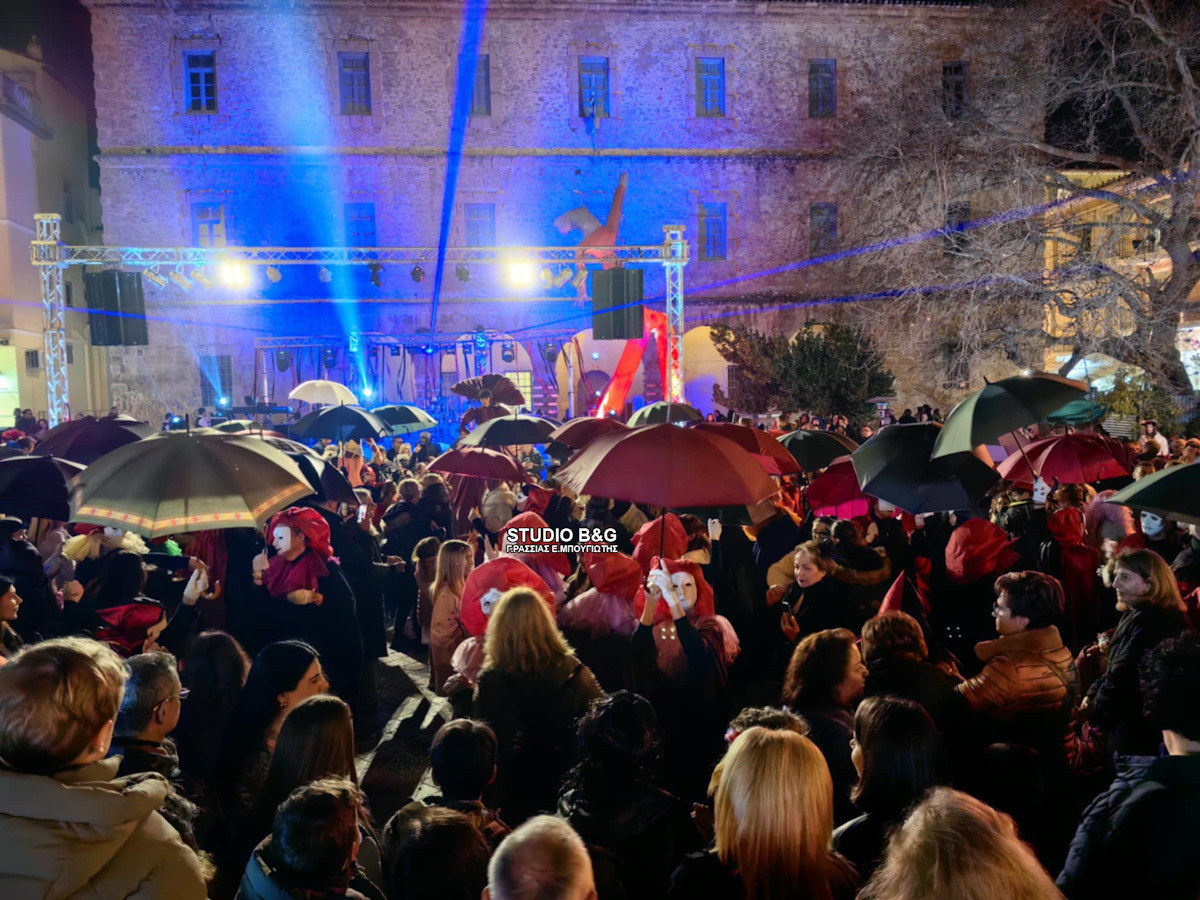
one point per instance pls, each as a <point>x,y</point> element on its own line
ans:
<point>814,602</point>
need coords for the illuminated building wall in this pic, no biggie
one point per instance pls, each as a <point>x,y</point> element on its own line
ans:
<point>273,125</point>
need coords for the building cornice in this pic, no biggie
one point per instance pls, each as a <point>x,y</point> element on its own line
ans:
<point>486,152</point>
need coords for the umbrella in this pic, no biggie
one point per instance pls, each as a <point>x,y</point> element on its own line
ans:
<point>476,462</point>
<point>1071,458</point>
<point>502,389</point>
<point>770,454</point>
<point>179,482</point>
<point>835,492</point>
<point>1173,493</point>
<point>505,431</point>
<point>814,450</point>
<point>668,466</point>
<point>579,432</point>
<point>327,481</point>
<point>86,440</point>
<point>340,423</point>
<point>328,393</point>
<point>243,426</point>
<point>660,412</point>
<point>1004,406</point>
<point>1078,412</point>
<point>405,419</point>
<point>36,487</point>
<point>895,466</point>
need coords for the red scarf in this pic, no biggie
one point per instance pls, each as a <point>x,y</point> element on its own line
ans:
<point>300,574</point>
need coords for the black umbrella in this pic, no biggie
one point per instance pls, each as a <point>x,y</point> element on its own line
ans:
<point>328,482</point>
<point>86,440</point>
<point>340,423</point>
<point>895,466</point>
<point>814,450</point>
<point>405,419</point>
<point>505,431</point>
<point>36,487</point>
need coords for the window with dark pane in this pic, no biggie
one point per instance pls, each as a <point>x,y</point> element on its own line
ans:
<point>481,93</point>
<point>481,224</point>
<point>354,82</point>
<point>360,224</point>
<point>822,229</point>
<point>710,87</point>
<point>208,224</point>
<point>954,89</point>
<point>216,379</point>
<point>713,231</point>
<point>593,87</point>
<point>200,82</point>
<point>822,88</point>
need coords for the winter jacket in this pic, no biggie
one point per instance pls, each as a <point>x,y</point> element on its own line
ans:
<point>704,875</point>
<point>87,834</point>
<point>261,881</point>
<point>831,730</point>
<point>1114,699</point>
<point>921,682</point>
<point>1027,672</point>
<point>1148,848</point>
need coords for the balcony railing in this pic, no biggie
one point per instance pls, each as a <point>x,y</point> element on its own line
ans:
<point>17,104</point>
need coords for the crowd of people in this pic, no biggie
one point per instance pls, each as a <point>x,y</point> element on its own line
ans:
<point>993,702</point>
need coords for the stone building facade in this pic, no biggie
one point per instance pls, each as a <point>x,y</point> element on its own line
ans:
<point>325,122</point>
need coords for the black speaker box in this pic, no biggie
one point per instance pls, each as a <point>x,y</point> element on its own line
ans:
<point>117,309</point>
<point>617,305</point>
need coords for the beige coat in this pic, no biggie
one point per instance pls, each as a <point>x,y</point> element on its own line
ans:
<point>87,834</point>
<point>1030,671</point>
<point>446,632</point>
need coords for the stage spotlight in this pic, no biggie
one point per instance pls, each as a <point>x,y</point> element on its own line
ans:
<point>329,359</point>
<point>325,275</point>
<point>563,276</point>
<point>580,278</point>
<point>376,271</point>
<point>176,421</point>
<point>508,352</point>
<point>418,274</point>
<point>462,273</point>
<point>201,277</point>
<point>223,402</point>
<point>547,278</point>
<point>233,273</point>
<point>154,278</point>
<point>521,274</point>
<point>274,275</point>
<point>595,355</point>
<point>182,280</point>
<point>368,393</point>
<point>283,360</point>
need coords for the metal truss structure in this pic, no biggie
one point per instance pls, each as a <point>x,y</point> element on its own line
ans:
<point>52,258</point>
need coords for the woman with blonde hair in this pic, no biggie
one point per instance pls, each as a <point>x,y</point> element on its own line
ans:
<point>773,822</point>
<point>952,845</point>
<point>1154,611</point>
<point>531,691</point>
<point>455,559</point>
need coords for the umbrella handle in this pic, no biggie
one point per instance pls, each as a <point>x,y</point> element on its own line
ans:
<point>1021,449</point>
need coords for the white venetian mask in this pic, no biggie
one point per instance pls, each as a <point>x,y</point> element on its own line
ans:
<point>1041,491</point>
<point>686,585</point>
<point>281,539</point>
<point>1152,526</point>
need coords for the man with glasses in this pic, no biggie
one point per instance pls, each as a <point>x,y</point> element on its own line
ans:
<point>149,712</point>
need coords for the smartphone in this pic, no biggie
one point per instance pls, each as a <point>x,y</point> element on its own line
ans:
<point>362,512</point>
<point>786,606</point>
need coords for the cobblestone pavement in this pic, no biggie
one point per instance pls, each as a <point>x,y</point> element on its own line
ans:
<point>393,757</point>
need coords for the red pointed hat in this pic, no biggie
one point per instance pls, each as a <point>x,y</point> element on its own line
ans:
<point>649,541</point>
<point>560,561</point>
<point>978,548</point>
<point>705,602</point>
<point>487,582</point>
<point>309,523</point>
<point>613,573</point>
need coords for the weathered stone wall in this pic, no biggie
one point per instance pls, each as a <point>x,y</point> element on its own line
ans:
<point>282,159</point>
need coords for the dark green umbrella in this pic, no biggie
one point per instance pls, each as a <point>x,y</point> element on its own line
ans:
<point>1173,493</point>
<point>1004,406</point>
<point>505,431</point>
<point>36,487</point>
<point>895,466</point>
<point>340,423</point>
<point>662,411</point>
<point>177,482</point>
<point>405,419</point>
<point>814,450</point>
<point>1078,412</point>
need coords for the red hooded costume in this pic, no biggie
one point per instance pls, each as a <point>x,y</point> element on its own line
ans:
<point>607,607</point>
<point>1077,566</point>
<point>305,572</point>
<point>649,542</point>
<point>671,658</point>
<point>487,582</point>
<point>978,548</point>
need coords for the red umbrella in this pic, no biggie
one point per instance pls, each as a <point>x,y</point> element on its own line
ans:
<point>1071,458</point>
<point>668,466</point>
<point>476,462</point>
<point>582,431</point>
<point>835,492</point>
<point>771,455</point>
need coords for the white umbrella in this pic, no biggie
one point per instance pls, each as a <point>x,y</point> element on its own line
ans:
<point>329,393</point>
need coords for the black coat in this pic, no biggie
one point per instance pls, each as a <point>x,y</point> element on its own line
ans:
<point>703,875</point>
<point>826,604</point>
<point>1144,844</point>
<point>1114,699</point>
<point>831,730</point>
<point>922,683</point>
<point>20,561</point>
<point>359,556</point>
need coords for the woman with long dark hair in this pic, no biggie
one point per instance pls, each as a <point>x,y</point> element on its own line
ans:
<point>899,756</point>
<point>213,670</point>
<point>283,675</point>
